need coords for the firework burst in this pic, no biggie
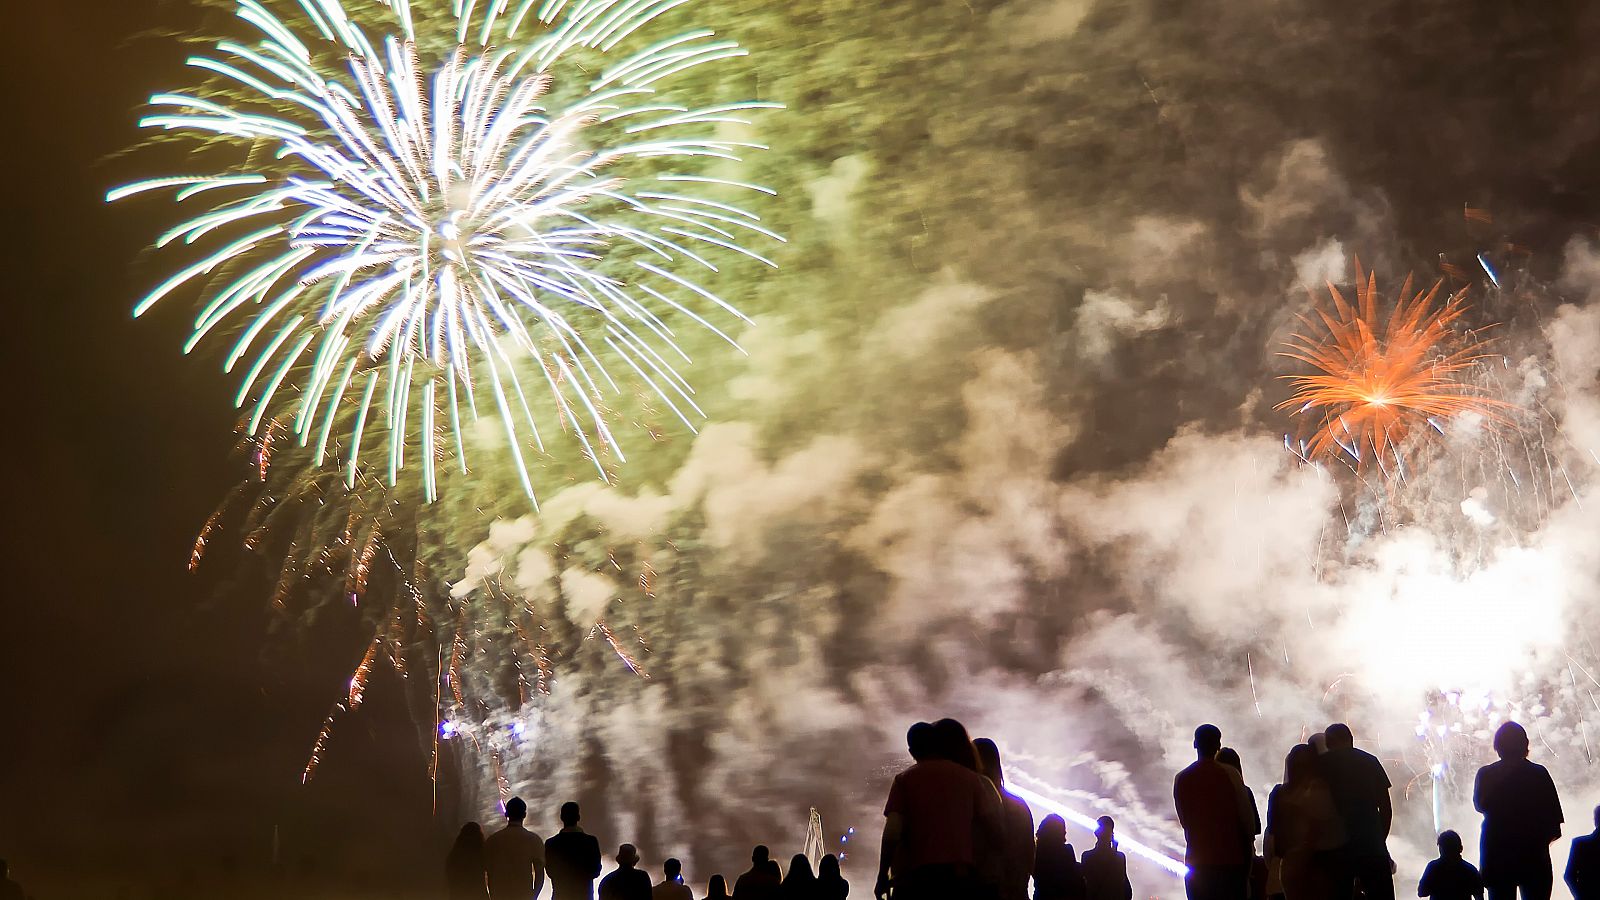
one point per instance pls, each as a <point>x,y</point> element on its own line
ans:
<point>1378,380</point>
<point>410,239</point>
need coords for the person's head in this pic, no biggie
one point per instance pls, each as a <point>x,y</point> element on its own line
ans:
<point>718,886</point>
<point>800,869</point>
<point>1596,823</point>
<point>1338,736</point>
<point>988,754</point>
<point>627,856</point>
<point>1300,766</point>
<point>1450,845</point>
<point>569,814</point>
<point>1511,741</point>
<point>1052,830</point>
<point>760,854</point>
<point>1318,742</point>
<point>1230,758</point>
<point>921,741</point>
<point>471,834</point>
<point>829,868</point>
<point>672,869</point>
<point>1207,741</point>
<point>1105,830</point>
<point>954,744</point>
<point>516,810</point>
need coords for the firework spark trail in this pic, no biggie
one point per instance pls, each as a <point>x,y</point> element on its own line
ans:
<point>433,230</point>
<point>1133,846</point>
<point>627,658</point>
<point>1379,379</point>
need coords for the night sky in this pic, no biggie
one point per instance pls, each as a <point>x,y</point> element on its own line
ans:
<point>152,733</point>
<point>158,721</point>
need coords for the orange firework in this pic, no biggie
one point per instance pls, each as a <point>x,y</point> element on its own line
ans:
<point>1379,379</point>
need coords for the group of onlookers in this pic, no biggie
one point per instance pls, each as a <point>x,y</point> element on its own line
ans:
<point>953,832</point>
<point>1327,827</point>
<point>513,864</point>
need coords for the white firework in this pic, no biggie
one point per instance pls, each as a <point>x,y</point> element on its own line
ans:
<point>402,237</point>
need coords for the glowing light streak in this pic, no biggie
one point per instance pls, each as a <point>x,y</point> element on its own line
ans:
<point>1141,850</point>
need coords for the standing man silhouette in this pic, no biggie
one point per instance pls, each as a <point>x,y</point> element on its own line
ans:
<point>1521,818</point>
<point>514,857</point>
<point>573,857</point>
<point>1360,790</point>
<point>1218,828</point>
<point>1583,864</point>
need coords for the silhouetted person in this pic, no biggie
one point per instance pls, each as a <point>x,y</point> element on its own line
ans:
<point>1217,825</point>
<point>1056,873</point>
<point>1230,758</point>
<point>672,886</point>
<point>1583,864</point>
<point>1015,854</point>
<point>1360,790</point>
<point>1257,878</point>
<point>952,742</point>
<point>1303,828</point>
<point>718,889</point>
<point>1450,877</point>
<point>464,868</point>
<point>759,883</point>
<point>922,742</point>
<point>1105,868</point>
<point>626,881</point>
<point>572,857</point>
<point>800,883</point>
<point>9,890</point>
<point>514,857</point>
<point>939,812</point>
<point>1521,818</point>
<point>830,884</point>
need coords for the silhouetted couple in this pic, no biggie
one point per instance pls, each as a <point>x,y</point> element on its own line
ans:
<point>1058,875</point>
<point>950,828</point>
<point>511,864</point>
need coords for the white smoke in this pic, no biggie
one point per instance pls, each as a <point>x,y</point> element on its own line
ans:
<point>818,591</point>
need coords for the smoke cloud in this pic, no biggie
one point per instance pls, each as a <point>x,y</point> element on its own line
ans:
<point>1021,466</point>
